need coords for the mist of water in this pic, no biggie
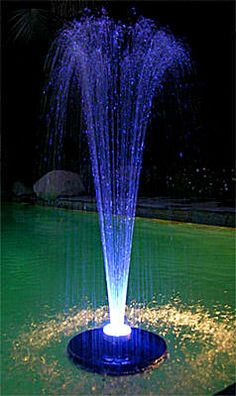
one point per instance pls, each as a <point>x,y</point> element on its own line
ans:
<point>117,69</point>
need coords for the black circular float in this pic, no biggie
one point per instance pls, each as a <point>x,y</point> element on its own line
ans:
<point>97,352</point>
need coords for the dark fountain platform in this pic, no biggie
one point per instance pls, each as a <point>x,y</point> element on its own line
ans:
<point>125,355</point>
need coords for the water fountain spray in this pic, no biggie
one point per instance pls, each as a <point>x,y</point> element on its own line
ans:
<point>117,68</point>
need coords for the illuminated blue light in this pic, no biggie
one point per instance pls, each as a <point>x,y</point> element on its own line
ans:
<point>117,69</point>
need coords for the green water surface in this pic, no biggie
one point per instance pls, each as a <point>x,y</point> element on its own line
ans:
<point>52,262</point>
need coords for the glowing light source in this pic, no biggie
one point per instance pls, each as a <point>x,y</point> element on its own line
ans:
<point>119,330</point>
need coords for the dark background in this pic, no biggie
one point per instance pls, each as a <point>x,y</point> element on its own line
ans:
<point>188,153</point>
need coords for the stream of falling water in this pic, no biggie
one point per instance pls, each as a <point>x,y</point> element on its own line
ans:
<point>117,68</point>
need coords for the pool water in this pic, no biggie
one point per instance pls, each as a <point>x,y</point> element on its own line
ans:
<point>181,286</point>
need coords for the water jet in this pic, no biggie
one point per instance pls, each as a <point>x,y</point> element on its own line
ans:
<point>118,69</point>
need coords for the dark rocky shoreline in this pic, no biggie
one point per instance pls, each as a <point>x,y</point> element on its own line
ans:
<point>209,212</point>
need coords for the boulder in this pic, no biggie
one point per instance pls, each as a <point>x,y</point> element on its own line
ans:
<point>20,189</point>
<point>58,182</point>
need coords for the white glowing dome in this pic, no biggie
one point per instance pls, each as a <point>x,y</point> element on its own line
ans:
<point>115,330</point>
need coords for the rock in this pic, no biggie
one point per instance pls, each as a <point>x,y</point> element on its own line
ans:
<point>58,182</point>
<point>19,189</point>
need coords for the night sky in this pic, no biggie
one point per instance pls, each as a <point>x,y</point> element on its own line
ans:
<point>174,142</point>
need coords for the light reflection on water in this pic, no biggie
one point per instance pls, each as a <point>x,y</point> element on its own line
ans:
<point>52,261</point>
<point>200,344</point>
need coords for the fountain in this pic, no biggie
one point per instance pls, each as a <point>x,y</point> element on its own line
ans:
<point>117,69</point>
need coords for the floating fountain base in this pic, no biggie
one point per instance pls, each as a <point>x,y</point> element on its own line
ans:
<point>97,352</point>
